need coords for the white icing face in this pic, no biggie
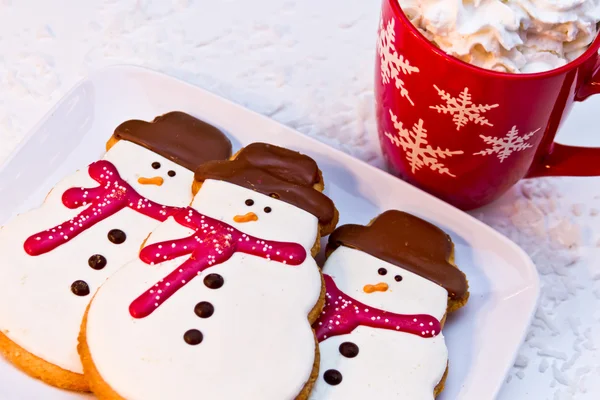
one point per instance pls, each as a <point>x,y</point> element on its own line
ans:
<point>151,175</point>
<point>383,285</point>
<point>271,219</point>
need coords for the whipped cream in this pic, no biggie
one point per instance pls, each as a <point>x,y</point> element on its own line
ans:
<point>523,36</point>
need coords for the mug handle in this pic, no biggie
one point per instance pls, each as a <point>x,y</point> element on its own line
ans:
<point>563,160</point>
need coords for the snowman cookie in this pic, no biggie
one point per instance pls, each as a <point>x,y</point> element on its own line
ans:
<point>89,225</point>
<point>220,303</point>
<point>389,287</point>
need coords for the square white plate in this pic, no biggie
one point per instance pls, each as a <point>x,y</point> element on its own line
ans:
<point>482,338</point>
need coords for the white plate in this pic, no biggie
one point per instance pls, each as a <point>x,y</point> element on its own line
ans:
<point>482,338</point>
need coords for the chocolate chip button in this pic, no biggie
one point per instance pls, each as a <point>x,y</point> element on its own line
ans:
<point>193,337</point>
<point>333,377</point>
<point>214,281</point>
<point>97,261</point>
<point>80,288</point>
<point>204,309</point>
<point>117,236</point>
<point>348,349</point>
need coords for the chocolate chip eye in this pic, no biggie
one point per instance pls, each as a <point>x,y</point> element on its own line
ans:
<point>382,271</point>
<point>249,202</point>
<point>398,278</point>
<point>268,209</point>
<point>156,165</point>
<point>171,173</point>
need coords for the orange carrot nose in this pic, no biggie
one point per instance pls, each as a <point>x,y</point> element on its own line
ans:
<point>380,287</point>
<point>246,217</point>
<point>157,180</point>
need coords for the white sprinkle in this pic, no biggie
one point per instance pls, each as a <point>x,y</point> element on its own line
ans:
<point>168,284</point>
<point>553,353</point>
<point>157,297</point>
<point>521,361</point>
<point>560,376</point>
<point>544,365</point>
<point>50,237</point>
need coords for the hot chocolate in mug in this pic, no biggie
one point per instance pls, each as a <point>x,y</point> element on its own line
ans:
<point>466,134</point>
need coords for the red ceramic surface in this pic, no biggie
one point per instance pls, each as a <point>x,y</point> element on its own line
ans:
<point>466,134</point>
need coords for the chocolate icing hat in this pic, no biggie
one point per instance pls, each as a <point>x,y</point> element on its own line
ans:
<point>179,137</point>
<point>283,174</point>
<point>408,242</point>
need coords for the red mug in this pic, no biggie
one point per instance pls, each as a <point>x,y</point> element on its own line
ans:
<point>466,134</point>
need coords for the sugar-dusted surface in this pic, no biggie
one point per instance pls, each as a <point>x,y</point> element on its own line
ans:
<point>310,65</point>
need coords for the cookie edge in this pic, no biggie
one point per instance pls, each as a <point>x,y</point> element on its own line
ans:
<point>38,368</point>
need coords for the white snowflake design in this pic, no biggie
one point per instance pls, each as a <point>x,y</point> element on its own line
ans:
<point>462,108</point>
<point>418,152</point>
<point>506,145</point>
<point>391,62</point>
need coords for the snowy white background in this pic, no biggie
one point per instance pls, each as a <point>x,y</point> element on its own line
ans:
<point>309,65</point>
